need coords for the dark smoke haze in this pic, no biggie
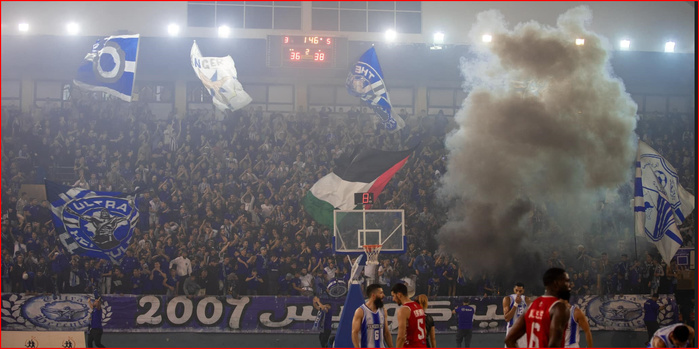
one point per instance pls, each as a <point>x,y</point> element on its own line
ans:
<point>544,123</point>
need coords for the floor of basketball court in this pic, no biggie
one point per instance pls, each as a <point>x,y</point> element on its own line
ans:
<point>609,339</point>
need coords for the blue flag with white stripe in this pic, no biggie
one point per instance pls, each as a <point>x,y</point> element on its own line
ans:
<point>365,80</point>
<point>660,202</point>
<point>110,66</point>
<point>92,223</point>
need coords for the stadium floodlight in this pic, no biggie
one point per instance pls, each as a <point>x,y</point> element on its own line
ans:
<point>224,31</point>
<point>580,41</point>
<point>23,27</point>
<point>670,46</point>
<point>438,38</point>
<point>72,28</point>
<point>173,29</point>
<point>624,44</point>
<point>391,35</point>
<point>487,38</point>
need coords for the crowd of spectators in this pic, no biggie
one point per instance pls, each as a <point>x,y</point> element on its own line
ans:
<point>221,212</point>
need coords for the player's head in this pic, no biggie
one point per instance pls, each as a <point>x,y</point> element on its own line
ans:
<point>375,294</point>
<point>679,336</point>
<point>519,288</point>
<point>557,283</point>
<point>400,293</point>
<point>655,296</point>
<point>466,301</point>
<point>422,300</point>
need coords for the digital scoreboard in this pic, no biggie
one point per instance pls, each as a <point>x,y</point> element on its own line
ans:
<point>363,198</point>
<point>299,51</point>
<point>308,51</point>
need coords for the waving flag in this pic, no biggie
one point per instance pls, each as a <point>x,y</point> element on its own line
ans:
<point>220,78</point>
<point>660,202</point>
<point>110,67</point>
<point>369,171</point>
<point>365,80</point>
<point>92,223</point>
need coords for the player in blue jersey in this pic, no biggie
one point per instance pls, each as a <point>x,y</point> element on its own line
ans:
<point>673,336</point>
<point>369,328</point>
<point>577,322</point>
<point>513,307</point>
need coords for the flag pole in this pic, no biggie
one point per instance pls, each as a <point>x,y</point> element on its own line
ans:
<point>635,245</point>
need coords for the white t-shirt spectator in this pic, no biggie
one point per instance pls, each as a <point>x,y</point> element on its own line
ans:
<point>183,265</point>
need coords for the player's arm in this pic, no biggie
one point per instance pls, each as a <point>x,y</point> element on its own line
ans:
<point>508,311</point>
<point>559,320</point>
<point>517,330</point>
<point>581,319</point>
<point>402,316</point>
<point>690,342</point>
<point>356,326</point>
<point>433,338</point>
<point>386,331</point>
<point>657,343</point>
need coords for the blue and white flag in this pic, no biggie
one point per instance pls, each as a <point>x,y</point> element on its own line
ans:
<point>92,223</point>
<point>219,76</point>
<point>110,67</point>
<point>365,80</point>
<point>660,202</point>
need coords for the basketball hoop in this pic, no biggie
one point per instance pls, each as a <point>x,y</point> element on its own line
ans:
<point>372,254</point>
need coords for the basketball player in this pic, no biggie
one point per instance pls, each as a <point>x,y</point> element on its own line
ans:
<point>577,321</point>
<point>545,321</point>
<point>673,336</point>
<point>513,307</point>
<point>412,332</point>
<point>369,329</point>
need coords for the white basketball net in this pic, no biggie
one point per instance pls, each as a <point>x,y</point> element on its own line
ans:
<point>372,254</point>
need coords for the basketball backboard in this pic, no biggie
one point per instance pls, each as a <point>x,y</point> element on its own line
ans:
<point>356,228</point>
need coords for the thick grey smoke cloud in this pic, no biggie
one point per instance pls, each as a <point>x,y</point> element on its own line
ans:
<point>544,122</point>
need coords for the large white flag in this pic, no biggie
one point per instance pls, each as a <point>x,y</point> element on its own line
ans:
<point>660,202</point>
<point>219,76</point>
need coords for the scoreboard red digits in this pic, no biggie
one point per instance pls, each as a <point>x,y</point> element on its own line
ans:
<point>308,51</point>
<point>363,198</point>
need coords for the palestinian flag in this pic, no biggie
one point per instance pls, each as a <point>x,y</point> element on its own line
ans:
<point>365,171</point>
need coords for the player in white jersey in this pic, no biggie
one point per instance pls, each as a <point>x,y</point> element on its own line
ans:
<point>577,322</point>
<point>369,328</point>
<point>673,336</point>
<point>513,306</point>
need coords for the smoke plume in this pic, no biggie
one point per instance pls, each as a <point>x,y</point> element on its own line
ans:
<point>545,124</point>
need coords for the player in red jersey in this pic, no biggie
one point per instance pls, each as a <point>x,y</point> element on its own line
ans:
<point>545,321</point>
<point>411,320</point>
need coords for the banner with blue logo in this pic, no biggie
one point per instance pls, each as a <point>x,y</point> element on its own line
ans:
<point>283,314</point>
<point>110,66</point>
<point>91,223</point>
<point>365,80</point>
<point>660,202</point>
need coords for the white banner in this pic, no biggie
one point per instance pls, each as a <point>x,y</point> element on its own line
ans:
<point>219,76</point>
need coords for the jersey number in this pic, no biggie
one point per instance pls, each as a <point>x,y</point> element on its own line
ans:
<point>377,335</point>
<point>421,328</point>
<point>533,339</point>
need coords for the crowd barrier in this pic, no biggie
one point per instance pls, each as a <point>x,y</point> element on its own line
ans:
<point>43,339</point>
<point>279,314</point>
